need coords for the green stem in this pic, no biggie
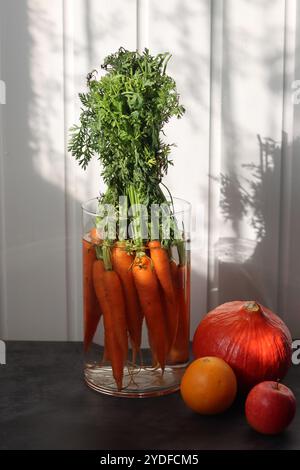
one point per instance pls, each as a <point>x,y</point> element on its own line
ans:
<point>106,254</point>
<point>181,252</point>
<point>170,195</point>
<point>134,199</point>
<point>99,252</point>
<point>179,243</point>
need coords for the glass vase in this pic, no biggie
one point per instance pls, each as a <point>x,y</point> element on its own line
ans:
<point>136,306</point>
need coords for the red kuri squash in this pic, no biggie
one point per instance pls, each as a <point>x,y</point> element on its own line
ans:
<point>249,337</point>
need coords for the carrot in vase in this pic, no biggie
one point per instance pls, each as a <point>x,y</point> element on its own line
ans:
<point>91,309</point>
<point>94,236</point>
<point>161,262</point>
<point>148,291</point>
<point>154,360</point>
<point>184,282</point>
<point>106,356</point>
<point>110,297</point>
<point>180,350</point>
<point>122,262</point>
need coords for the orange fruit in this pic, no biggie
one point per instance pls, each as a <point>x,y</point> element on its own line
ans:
<point>208,385</point>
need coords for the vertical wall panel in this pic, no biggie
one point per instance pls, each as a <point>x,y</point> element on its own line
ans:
<point>245,240</point>
<point>183,28</point>
<point>33,166</point>
<point>289,281</point>
<point>3,276</point>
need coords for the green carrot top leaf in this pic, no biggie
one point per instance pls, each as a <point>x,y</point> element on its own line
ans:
<point>121,122</point>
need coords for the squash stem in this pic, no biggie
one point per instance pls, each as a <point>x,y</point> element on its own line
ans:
<point>253,306</point>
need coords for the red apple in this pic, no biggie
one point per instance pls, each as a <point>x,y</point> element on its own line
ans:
<point>270,407</point>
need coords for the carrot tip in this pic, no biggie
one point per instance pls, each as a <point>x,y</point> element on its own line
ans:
<point>119,385</point>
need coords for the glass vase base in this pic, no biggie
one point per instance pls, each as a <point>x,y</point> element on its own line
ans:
<point>138,382</point>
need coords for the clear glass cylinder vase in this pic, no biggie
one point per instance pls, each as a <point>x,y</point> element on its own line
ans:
<point>136,305</point>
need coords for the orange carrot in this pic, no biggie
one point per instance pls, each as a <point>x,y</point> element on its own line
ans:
<point>181,277</point>
<point>122,264</point>
<point>154,360</point>
<point>110,296</point>
<point>148,291</point>
<point>91,308</point>
<point>161,262</point>
<point>95,236</point>
<point>105,357</point>
<point>174,274</point>
<point>187,267</point>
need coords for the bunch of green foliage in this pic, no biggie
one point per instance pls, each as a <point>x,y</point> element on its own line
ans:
<point>121,123</point>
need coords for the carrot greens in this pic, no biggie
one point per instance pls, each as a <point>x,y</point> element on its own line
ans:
<point>121,123</point>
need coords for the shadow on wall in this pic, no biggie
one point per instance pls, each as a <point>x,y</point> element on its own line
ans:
<point>249,269</point>
<point>34,208</point>
<point>242,271</point>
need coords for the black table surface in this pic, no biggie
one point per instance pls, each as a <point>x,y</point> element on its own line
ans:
<point>45,404</point>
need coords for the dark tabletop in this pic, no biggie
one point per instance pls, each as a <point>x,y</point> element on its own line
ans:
<point>45,404</point>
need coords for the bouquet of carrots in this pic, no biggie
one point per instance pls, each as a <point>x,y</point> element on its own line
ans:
<point>130,275</point>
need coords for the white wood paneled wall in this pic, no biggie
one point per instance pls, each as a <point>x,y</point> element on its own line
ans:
<point>234,62</point>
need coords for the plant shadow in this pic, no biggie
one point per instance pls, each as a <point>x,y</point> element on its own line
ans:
<point>252,268</point>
